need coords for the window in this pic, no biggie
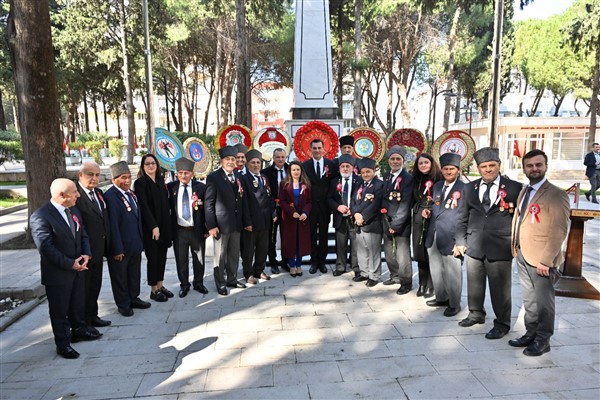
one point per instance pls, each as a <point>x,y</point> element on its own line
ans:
<point>569,146</point>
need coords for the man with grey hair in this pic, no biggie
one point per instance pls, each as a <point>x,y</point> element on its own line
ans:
<point>60,237</point>
<point>483,232</point>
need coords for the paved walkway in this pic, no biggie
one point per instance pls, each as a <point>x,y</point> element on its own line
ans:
<point>316,336</point>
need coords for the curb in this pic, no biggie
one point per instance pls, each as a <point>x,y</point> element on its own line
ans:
<point>16,314</point>
<point>10,210</point>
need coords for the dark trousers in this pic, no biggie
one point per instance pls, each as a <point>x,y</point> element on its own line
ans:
<point>275,230</point>
<point>538,299</point>
<point>156,255</point>
<point>66,306</point>
<point>125,278</point>
<point>346,233</point>
<point>595,182</point>
<point>499,275</point>
<point>319,226</point>
<point>227,259</point>
<point>254,256</point>
<point>93,284</point>
<point>184,241</point>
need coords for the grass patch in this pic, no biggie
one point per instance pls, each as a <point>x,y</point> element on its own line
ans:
<point>12,183</point>
<point>11,201</point>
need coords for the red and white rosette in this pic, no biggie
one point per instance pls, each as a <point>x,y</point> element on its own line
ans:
<point>455,197</point>
<point>76,220</point>
<point>428,185</point>
<point>230,135</point>
<point>457,142</point>
<point>535,210</point>
<point>501,197</point>
<point>316,130</point>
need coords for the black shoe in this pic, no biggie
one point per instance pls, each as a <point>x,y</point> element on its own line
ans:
<point>222,291</point>
<point>356,273</point>
<point>323,269</point>
<point>94,330</point>
<point>537,348</point>
<point>523,341</point>
<point>465,323</point>
<point>420,291</point>
<point>435,303</point>
<point>158,296</point>
<point>237,285</point>
<point>126,312</point>
<point>84,335</point>
<point>587,196</point>
<point>451,311</point>
<point>404,288</point>
<point>275,270</point>
<point>166,292</point>
<point>67,352</point>
<point>284,266</point>
<point>298,271</point>
<point>313,269</point>
<point>201,288</point>
<point>338,272</point>
<point>495,333</point>
<point>139,303</point>
<point>390,282</point>
<point>360,278</point>
<point>99,322</point>
<point>595,202</point>
<point>371,282</point>
<point>428,293</point>
<point>184,291</point>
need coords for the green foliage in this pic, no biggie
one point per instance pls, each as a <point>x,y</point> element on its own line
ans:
<point>10,146</point>
<point>116,147</point>
<point>94,148</point>
<point>93,137</point>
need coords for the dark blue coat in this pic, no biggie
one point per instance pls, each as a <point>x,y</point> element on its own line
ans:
<point>399,212</point>
<point>443,220</point>
<point>369,205</point>
<point>125,225</point>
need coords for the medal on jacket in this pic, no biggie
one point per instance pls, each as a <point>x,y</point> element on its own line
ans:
<point>195,201</point>
<point>127,205</point>
<point>255,183</point>
<point>437,200</point>
<point>511,207</point>
<point>534,209</point>
<point>502,196</point>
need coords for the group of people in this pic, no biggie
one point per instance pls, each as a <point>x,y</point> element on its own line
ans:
<point>245,209</point>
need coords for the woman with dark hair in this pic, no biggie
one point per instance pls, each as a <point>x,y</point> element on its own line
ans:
<point>425,172</point>
<point>296,204</point>
<point>153,199</point>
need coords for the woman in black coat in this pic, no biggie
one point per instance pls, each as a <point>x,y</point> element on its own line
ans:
<point>153,199</point>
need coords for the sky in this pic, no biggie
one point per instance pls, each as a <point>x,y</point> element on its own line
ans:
<point>541,9</point>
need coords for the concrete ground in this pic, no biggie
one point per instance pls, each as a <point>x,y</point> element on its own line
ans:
<point>316,336</point>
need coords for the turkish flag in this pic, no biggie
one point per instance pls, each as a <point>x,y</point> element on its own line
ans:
<point>516,151</point>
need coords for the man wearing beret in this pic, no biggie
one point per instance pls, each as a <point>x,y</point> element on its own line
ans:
<point>262,213</point>
<point>340,194</point>
<point>446,269</point>
<point>397,200</point>
<point>226,212</point>
<point>189,231</point>
<point>126,243</point>
<point>483,234</point>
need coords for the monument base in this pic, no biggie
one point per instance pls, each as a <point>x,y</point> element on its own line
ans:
<point>292,126</point>
<point>319,113</point>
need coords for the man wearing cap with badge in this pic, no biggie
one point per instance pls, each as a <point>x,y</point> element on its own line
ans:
<point>262,213</point>
<point>539,229</point>
<point>240,158</point>
<point>189,231</point>
<point>446,269</point>
<point>483,234</point>
<point>340,194</point>
<point>226,212</point>
<point>366,209</point>
<point>397,200</point>
<point>126,243</point>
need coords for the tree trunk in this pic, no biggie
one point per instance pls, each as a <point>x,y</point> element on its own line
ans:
<point>105,115</point>
<point>95,108</point>
<point>536,102</point>
<point>16,114</point>
<point>241,64</point>
<point>558,100</point>
<point>32,59</point>
<point>128,90</point>
<point>226,91</point>
<point>356,102</point>
<point>2,115</point>
<point>593,136</point>
<point>451,49</point>
<point>86,117</point>
<point>218,72</point>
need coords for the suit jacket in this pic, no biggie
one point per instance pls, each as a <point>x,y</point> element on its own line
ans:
<point>443,220</point>
<point>154,205</point>
<point>199,189</point>
<point>399,212</point>
<point>271,173</point>
<point>225,205</point>
<point>368,204</point>
<point>260,203</point>
<point>125,225</point>
<point>486,234</point>
<point>97,223</point>
<point>334,198</point>
<point>541,242</point>
<point>590,162</point>
<point>56,244</point>
<point>319,186</point>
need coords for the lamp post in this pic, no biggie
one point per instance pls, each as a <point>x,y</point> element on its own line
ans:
<point>470,109</point>
<point>436,93</point>
<point>163,82</point>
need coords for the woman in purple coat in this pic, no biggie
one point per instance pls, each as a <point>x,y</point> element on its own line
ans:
<point>296,204</point>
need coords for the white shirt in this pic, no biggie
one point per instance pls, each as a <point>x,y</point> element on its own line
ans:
<point>320,162</point>
<point>534,189</point>
<point>281,176</point>
<point>394,176</point>
<point>61,211</point>
<point>180,194</point>
<point>493,190</point>
<point>448,188</point>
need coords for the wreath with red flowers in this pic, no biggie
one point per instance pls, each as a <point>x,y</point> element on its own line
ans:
<point>316,130</point>
<point>230,135</point>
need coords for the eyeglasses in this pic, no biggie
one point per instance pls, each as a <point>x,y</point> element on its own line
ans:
<point>150,163</point>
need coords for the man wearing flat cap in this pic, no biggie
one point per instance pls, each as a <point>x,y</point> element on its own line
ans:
<point>397,200</point>
<point>262,213</point>
<point>483,232</point>
<point>446,269</point>
<point>226,212</point>
<point>340,194</point>
<point>126,242</point>
<point>240,158</point>
<point>189,230</point>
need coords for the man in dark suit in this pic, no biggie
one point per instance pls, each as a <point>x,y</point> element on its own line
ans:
<point>126,243</point>
<point>539,229</point>
<point>483,234</point>
<point>187,218</point>
<point>592,171</point>
<point>60,237</point>
<point>262,213</point>
<point>276,173</point>
<point>446,269</point>
<point>366,209</point>
<point>340,195</point>
<point>320,171</point>
<point>240,158</point>
<point>226,212</point>
<point>397,200</point>
<point>95,218</point>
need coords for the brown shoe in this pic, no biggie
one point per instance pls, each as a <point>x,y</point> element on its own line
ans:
<point>264,277</point>
<point>251,280</point>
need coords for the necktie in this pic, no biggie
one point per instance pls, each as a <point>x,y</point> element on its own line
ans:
<point>444,192</point>
<point>71,221</point>
<point>231,178</point>
<point>93,198</point>
<point>345,192</point>
<point>319,169</point>
<point>486,197</point>
<point>259,179</point>
<point>132,202</point>
<point>523,210</point>
<point>185,205</point>
<point>280,179</point>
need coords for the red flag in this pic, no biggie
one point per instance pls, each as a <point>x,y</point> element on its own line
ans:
<point>516,151</point>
